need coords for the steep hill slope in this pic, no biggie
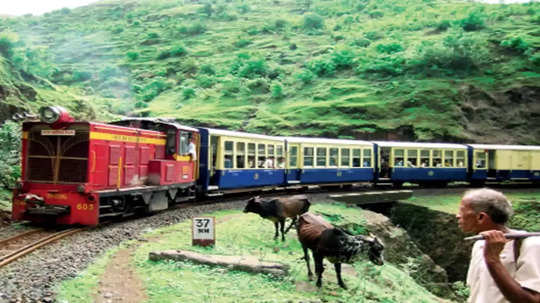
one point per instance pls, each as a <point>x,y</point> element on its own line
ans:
<point>393,69</point>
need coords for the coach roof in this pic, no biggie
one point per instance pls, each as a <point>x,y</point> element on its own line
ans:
<point>419,145</point>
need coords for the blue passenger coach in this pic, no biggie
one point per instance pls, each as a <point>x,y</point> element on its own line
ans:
<point>320,161</point>
<point>235,160</point>
<point>422,163</point>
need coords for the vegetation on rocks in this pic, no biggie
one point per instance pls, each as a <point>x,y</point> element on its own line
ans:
<point>415,69</point>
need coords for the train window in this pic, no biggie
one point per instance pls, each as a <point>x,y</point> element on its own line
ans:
<point>240,155</point>
<point>271,150</point>
<point>448,158</point>
<point>171,142</point>
<point>229,151</point>
<point>367,158</point>
<point>398,157</point>
<point>293,156</point>
<point>251,155</point>
<point>356,157</point>
<point>437,161</point>
<point>184,143</point>
<point>279,151</point>
<point>345,157</point>
<point>308,156</point>
<point>480,159</point>
<point>321,156</point>
<point>460,158</point>
<point>261,155</point>
<point>334,154</point>
<point>424,158</point>
<point>412,155</point>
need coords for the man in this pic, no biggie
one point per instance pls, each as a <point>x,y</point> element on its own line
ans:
<point>494,275</point>
<point>192,149</point>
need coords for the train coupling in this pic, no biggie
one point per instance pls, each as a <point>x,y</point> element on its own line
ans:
<point>36,206</point>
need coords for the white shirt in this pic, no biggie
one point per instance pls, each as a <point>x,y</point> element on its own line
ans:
<point>192,151</point>
<point>526,272</point>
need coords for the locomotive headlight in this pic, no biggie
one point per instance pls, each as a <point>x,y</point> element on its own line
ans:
<point>49,114</point>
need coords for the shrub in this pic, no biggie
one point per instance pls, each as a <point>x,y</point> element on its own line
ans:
<point>374,35</point>
<point>178,51</point>
<point>474,21</point>
<point>343,59</point>
<point>313,22</point>
<point>81,76</point>
<point>208,69</point>
<point>535,59</point>
<point>277,91</point>
<point>188,92</point>
<point>376,14</point>
<point>10,145</point>
<point>258,86</point>
<point>243,8</point>
<point>206,81</point>
<point>152,35</point>
<point>7,43</point>
<point>242,43</point>
<point>322,67</point>
<point>305,76</point>
<point>192,30</point>
<point>361,42</point>
<point>207,10</point>
<point>387,65</point>
<point>132,55</point>
<point>443,25</point>
<point>243,67</point>
<point>231,87</point>
<point>389,48</point>
<point>164,54</point>
<point>153,89</point>
<point>515,43</point>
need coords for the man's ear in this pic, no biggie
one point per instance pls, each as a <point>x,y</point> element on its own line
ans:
<point>481,217</point>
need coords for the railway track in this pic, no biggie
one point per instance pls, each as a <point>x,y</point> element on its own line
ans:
<point>24,243</point>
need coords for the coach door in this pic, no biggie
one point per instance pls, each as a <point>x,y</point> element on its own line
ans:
<point>293,160</point>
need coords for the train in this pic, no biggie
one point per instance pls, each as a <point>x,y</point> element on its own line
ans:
<point>80,172</point>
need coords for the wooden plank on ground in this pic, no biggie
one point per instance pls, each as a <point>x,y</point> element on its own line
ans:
<point>374,197</point>
<point>244,263</point>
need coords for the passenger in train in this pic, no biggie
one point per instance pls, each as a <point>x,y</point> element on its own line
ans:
<point>410,164</point>
<point>269,162</point>
<point>281,162</point>
<point>192,149</point>
<point>424,163</point>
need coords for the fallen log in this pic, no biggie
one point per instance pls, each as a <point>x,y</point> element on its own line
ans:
<point>243,263</point>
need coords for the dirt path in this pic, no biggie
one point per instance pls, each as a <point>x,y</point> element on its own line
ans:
<point>120,282</point>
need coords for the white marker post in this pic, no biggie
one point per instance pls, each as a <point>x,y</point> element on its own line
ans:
<point>203,231</point>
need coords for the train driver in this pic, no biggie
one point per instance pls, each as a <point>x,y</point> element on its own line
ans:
<point>192,149</point>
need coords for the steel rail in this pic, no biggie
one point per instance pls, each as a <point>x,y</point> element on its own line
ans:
<point>4,260</point>
<point>26,233</point>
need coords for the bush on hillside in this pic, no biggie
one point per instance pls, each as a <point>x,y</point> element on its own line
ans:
<point>535,59</point>
<point>313,22</point>
<point>153,89</point>
<point>389,48</point>
<point>361,42</point>
<point>277,91</point>
<point>192,30</point>
<point>242,43</point>
<point>243,8</point>
<point>343,59</point>
<point>374,35</point>
<point>188,93</point>
<point>205,81</point>
<point>81,76</point>
<point>7,44</point>
<point>231,87</point>
<point>206,10</point>
<point>246,68</point>
<point>132,55</point>
<point>376,14</point>
<point>258,86</point>
<point>390,65</point>
<point>516,44</point>
<point>10,145</point>
<point>474,21</point>
<point>322,67</point>
<point>443,25</point>
<point>208,69</point>
<point>306,76</point>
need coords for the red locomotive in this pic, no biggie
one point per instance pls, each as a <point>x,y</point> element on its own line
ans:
<point>76,172</point>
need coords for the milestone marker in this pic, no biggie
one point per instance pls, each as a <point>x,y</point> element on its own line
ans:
<point>203,231</point>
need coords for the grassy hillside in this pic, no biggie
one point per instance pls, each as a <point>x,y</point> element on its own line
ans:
<point>407,69</point>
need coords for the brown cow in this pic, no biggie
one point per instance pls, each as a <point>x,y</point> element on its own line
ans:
<point>336,244</point>
<point>278,210</point>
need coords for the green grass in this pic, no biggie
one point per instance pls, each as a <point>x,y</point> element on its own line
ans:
<point>248,234</point>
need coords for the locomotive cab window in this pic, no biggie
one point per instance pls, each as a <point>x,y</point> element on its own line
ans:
<point>171,142</point>
<point>184,143</point>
